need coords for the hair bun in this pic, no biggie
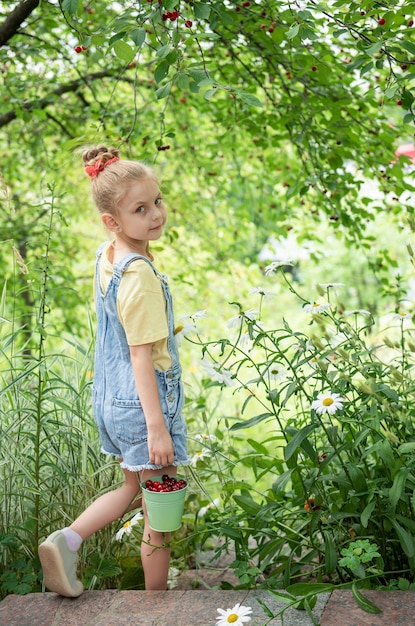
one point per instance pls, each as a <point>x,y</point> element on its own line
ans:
<point>94,153</point>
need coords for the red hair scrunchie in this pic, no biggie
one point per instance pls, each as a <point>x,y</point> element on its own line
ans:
<point>94,170</point>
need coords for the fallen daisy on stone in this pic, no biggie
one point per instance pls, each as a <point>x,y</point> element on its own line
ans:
<point>237,616</point>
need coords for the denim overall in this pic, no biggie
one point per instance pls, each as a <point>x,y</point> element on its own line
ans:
<point>117,408</point>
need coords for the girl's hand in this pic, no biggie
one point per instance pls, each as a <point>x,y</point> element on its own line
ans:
<point>160,446</point>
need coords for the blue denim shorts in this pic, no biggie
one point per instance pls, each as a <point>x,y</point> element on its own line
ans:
<point>123,428</point>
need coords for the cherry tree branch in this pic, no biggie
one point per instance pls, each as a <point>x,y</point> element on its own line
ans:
<point>11,24</point>
<point>50,99</point>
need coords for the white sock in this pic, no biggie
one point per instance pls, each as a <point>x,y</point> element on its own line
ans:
<point>72,539</point>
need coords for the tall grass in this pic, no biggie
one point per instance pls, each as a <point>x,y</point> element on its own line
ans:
<point>50,461</point>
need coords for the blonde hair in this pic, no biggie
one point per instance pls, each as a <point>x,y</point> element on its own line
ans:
<point>111,182</point>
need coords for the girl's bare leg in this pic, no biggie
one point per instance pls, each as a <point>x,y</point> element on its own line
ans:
<point>155,560</point>
<point>108,507</point>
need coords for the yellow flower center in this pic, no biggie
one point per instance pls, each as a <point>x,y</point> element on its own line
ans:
<point>328,401</point>
<point>178,329</point>
<point>127,524</point>
<point>232,618</point>
<point>316,304</point>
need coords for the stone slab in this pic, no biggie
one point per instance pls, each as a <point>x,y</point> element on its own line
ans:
<point>398,609</point>
<point>148,608</point>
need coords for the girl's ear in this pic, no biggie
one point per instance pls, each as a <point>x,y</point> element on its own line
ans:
<point>110,222</point>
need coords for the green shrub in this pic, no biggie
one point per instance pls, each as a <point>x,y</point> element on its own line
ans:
<point>319,466</point>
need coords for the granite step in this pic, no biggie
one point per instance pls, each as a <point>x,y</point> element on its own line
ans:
<point>199,608</point>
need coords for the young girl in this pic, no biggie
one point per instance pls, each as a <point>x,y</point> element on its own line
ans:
<point>137,390</point>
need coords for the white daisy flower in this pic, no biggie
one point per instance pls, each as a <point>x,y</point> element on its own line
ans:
<point>339,338</point>
<point>199,456</point>
<point>262,292</point>
<point>236,320</point>
<point>275,265</point>
<point>217,372</point>
<point>302,346</point>
<point>275,373</point>
<point>185,327</point>
<point>127,528</point>
<point>363,312</point>
<point>327,403</point>
<point>250,333</point>
<point>316,307</point>
<point>212,505</point>
<point>316,362</point>
<point>331,285</point>
<point>245,340</point>
<point>402,315</point>
<point>237,616</point>
<point>199,314</point>
<point>203,438</point>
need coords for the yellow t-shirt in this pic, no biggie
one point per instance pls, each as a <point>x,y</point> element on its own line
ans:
<point>141,307</point>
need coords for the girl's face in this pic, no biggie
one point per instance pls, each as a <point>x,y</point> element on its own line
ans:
<point>141,212</point>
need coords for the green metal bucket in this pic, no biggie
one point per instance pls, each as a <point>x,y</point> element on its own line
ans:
<point>164,509</point>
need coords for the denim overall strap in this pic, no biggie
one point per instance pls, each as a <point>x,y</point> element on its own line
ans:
<point>119,269</point>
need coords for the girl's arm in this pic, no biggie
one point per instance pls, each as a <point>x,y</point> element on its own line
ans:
<point>160,444</point>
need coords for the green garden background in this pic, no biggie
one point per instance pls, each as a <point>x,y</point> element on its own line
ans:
<point>282,134</point>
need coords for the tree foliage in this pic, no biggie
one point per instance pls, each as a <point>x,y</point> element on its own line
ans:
<point>263,117</point>
<point>303,100</point>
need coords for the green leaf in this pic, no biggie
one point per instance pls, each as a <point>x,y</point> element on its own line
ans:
<point>197,75</point>
<point>293,32</point>
<point>330,554</point>
<point>385,389</point>
<point>182,80</point>
<point>374,49</point>
<point>169,5</point>
<point>282,595</point>
<point>358,478</point>
<point>247,504</point>
<point>363,602</point>
<point>407,448</point>
<point>249,98</point>
<point>161,71</point>
<point>366,513</point>
<point>296,441</point>
<point>279,485</point>
<point>71,6</point>
<point>205,82</point>
<point>138,35</point>
<point>407,45</point>
<point>251,422</point>
<point>391,91</point>
<point>115,38</point>
<point>163,51</point>
<point>98,40</point>
<point>258,447</point>
<point>164,91</point>
<point>229,531</point>
<point>304,589</point>
<point>406,540</point>
<point>123,51</point>
<point>202,11</point>
<point>209,93</point>
<point>396,491</point>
